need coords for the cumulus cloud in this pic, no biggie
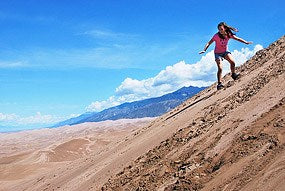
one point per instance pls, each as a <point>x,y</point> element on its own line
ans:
<point>101,105</point>
<point>7,117</point>
<point>200,74</point>
<point>38,118</point>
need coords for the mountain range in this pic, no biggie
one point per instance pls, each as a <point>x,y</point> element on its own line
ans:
<point>151,107</point>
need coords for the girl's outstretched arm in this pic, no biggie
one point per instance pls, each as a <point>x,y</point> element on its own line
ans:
<point>241,40</point>
<point>206,46</point>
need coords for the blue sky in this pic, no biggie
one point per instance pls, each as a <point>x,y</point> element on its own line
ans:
<point>62,58</point>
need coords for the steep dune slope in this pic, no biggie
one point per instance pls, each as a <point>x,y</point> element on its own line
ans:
<point>224,140</point>
<point>233,139</point>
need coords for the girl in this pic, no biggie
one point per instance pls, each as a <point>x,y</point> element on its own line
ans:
<point>221,49</point>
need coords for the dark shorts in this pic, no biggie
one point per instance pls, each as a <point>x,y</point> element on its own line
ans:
<point>219,56</point>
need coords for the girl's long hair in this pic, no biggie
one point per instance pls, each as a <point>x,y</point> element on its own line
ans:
<point>229,30</point>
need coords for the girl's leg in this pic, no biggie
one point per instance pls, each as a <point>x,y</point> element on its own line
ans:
<point>220,70</point>
<point>230,59</point>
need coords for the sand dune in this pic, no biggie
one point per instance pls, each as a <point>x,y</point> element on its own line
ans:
<point>220,140</point>
<point>28,157</point>
<point>233,139</point>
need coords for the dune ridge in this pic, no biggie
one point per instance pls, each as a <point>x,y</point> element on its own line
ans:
<point>227,140</point>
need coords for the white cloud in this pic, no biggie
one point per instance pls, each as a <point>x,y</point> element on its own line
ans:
<point>7,117</point>
<point>38,118</point>
<point>101,105</point>
<point>243,55</point>
<point>12,64</point>
<point>110,35</point>
<point>202,73</point>
<point>13,122</point>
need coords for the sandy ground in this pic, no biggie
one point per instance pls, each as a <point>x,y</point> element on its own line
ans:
<point>232,139</point>
<point>219,140</point>
<point>30,156</point>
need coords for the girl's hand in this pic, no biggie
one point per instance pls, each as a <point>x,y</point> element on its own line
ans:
<point>250,42</point>
<point>202,52</point>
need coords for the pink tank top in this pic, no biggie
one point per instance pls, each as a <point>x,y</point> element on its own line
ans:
<point>221,44</point>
